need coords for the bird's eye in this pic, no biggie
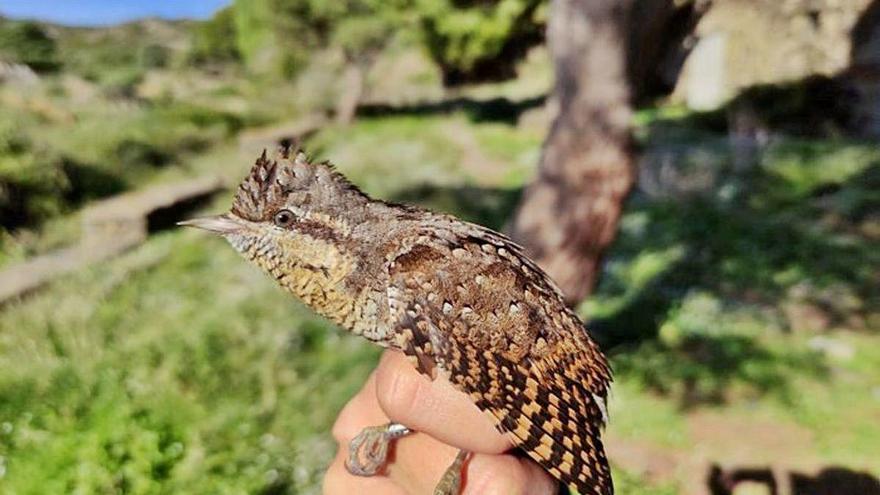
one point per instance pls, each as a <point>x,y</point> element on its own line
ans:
<point>284,218</point>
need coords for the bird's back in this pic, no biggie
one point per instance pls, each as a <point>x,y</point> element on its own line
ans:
<point>466,300</point>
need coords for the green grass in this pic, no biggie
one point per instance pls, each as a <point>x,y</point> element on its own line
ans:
<point>412,150</point>
<point>625,482</point>
<point>174,367</point>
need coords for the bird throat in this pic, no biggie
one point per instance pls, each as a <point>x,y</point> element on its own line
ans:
<point>316,273</point>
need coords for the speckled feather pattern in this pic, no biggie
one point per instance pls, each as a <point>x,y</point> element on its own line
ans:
<point>456,297</point>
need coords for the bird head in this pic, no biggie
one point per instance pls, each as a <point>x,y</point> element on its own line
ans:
<point>299,221</point>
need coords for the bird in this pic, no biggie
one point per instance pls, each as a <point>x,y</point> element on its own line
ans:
<point>460,300</point>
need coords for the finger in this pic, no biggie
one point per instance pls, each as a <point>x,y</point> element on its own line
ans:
<point>360,412</point>
<point>413,467</point>
<point>434,407</point>
<point>418,462</point>
<point>506,475</point>
<point>539,480</point>
<point>338,481</point>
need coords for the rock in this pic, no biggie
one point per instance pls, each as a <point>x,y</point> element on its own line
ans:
<point>742,43</point>
<point>17,74</point>
<point>705,80</point>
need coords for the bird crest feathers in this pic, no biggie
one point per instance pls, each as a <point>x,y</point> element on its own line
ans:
<point>271,180</point>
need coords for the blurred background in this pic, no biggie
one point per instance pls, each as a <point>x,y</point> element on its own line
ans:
<point>708,198</point>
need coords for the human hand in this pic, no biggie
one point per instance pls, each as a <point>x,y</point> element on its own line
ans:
<point>445,421</point>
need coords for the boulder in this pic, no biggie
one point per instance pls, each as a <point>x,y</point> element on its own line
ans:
<point>738,44</point>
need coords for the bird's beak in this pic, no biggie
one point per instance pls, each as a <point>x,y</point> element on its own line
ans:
<point>220,224</point>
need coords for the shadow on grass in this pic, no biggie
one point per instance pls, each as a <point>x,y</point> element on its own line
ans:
<point>830,481</point>
<point>752,249</point>
<point>88,182</point>
<point>501,110</point>
<point>703,369</point>
<point>815,106</point>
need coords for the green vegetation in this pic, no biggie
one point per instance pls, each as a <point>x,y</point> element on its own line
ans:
<point>215,39</point>
<point>262,30</point>
<point>31,181</point>
<point>27,43</point>
<point>740,299</point>
<point>117,397</point>
<point>476,41</point>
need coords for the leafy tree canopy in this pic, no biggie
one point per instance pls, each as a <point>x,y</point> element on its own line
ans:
<point>480,40</point>
<point>215,39</point>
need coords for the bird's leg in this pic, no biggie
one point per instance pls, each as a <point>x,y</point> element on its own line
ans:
<point>367,451</point>
<point>450,483</point>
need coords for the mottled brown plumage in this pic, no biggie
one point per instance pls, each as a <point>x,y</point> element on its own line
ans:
<point>459,299</point>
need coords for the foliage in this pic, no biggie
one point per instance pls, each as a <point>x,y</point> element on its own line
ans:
<point>278,35</point>
<point>106,55</point>
<point>477,40</point>
<point>215,39</point>
<point>470,41</point>
<point>95,157</point>
<point>27,43</point>
<point>709,354</point>
<point>364,27</point>
<point>268,40</point>
<point>32,181</point>
<point>707,279</point>
<point>122,83</point>
<point>154,56</point>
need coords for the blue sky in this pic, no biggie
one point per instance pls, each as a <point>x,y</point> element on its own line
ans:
<point>102,12</point>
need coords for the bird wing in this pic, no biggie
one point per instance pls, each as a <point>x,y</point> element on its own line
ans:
<point>552,406</point>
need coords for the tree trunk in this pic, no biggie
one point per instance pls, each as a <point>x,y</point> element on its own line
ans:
<point>354,85</point>
<point>569,214</point>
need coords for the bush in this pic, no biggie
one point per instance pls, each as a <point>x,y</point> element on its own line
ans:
<point>30,180</point>
<point>27,43</point>
<point>215,39</point>
<point>154,56</point>
<point>122,83</point>
<point>477,41</point>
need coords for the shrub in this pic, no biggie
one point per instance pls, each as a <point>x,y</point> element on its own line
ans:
<point>28,43</point>
<point>476,41</point>
<point>30,180</point>
<point>122,83</point>
<point>154,56</point>
<point>215,39</point>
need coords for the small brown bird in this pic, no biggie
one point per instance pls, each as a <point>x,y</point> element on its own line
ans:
<point>461,300</point>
